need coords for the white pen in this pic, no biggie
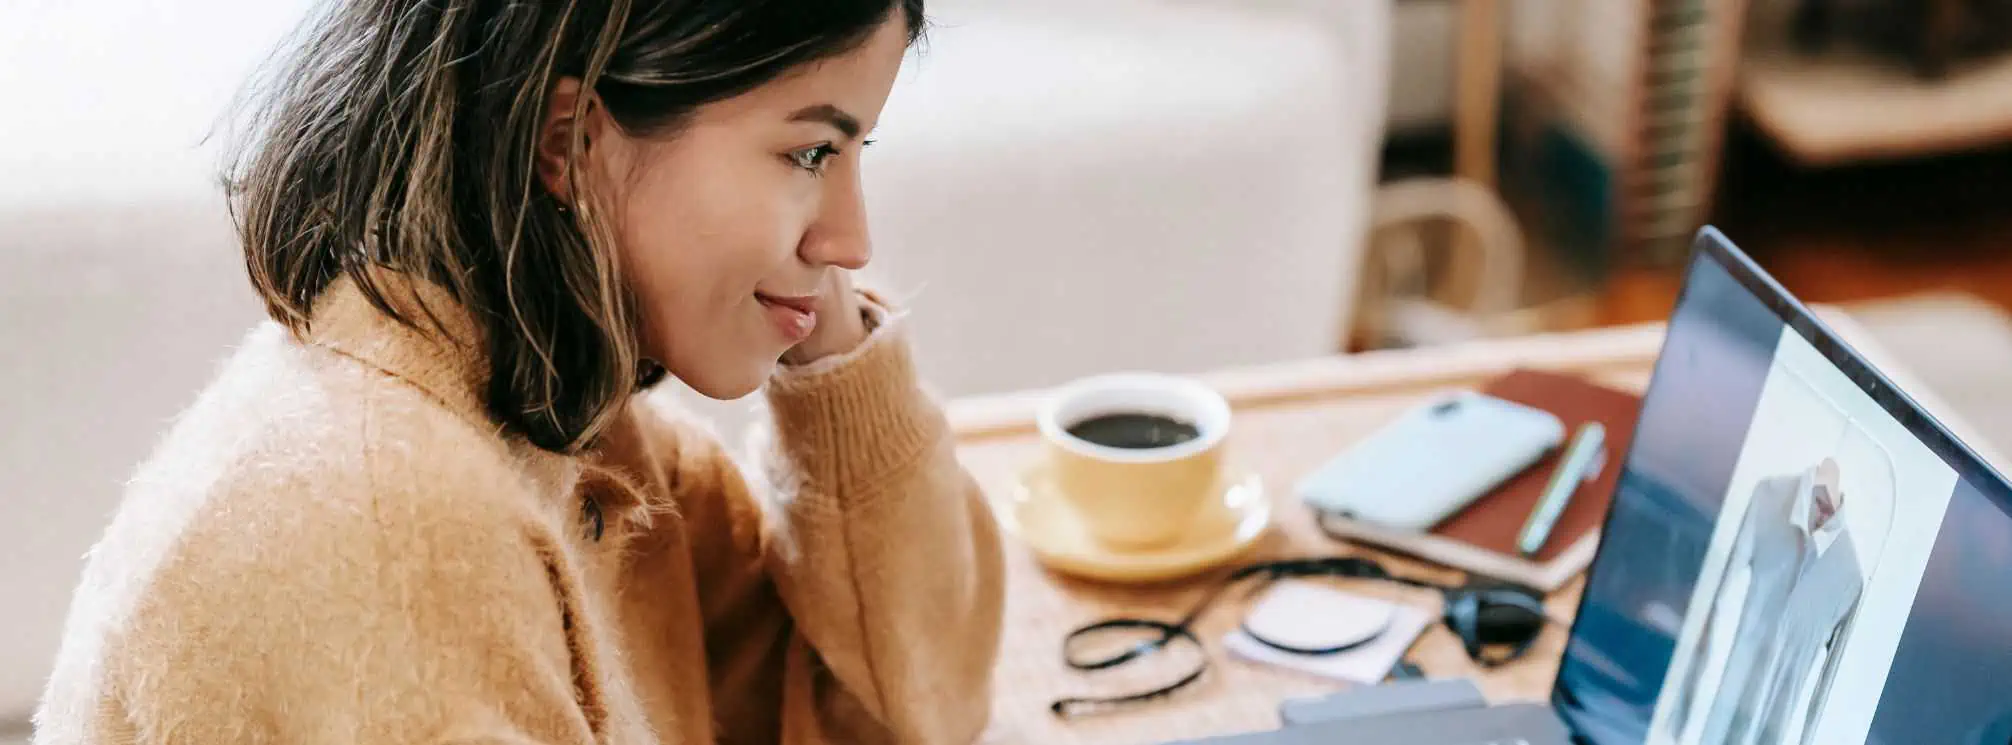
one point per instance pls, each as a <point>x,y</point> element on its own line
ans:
<point>1573,469</point>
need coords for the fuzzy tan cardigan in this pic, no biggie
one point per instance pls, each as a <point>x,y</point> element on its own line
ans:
<point>335,544</point>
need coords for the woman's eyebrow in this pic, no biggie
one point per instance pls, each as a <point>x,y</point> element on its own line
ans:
<point>845,123</point>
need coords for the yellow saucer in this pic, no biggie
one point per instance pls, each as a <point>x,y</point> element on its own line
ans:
<point>1052,529</point>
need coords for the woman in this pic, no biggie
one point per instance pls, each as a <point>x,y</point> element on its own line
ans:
<point>428,504</point>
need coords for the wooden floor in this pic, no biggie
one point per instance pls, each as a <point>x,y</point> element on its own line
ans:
<point>1850,234</point>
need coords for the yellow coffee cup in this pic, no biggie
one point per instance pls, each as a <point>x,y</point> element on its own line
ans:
<point>1138,455</point>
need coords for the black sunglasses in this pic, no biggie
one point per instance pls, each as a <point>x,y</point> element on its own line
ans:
<point>1496,622</point>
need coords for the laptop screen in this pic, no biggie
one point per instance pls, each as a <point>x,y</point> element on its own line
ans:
<point>1795,554</point>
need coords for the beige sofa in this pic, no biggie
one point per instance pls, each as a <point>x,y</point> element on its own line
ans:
<point>1061,187</point>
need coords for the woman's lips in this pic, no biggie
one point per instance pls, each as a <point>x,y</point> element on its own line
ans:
<point>793,316</point>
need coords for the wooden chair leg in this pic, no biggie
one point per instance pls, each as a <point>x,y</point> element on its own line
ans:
<point>1992,21</point>
<point>1814,25</point>
<point>1941,33</point>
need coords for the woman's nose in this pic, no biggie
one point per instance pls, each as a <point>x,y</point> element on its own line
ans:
<point>849,250</point>
<point>840,236</point>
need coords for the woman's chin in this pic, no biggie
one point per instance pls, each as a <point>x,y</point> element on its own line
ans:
<point>725,384</point>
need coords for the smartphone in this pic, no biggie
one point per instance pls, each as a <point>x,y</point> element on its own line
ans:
<point>1433,461</point>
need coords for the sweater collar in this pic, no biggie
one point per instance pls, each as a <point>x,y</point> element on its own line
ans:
<point>442,353</point>
<point>445,354</point>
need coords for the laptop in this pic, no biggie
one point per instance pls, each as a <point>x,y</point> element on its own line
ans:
<point>1796,553</point>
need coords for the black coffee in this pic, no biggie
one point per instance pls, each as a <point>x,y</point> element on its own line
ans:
<point>1134,431</point>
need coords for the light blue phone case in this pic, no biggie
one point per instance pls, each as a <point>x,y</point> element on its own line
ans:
<point>1432,461</point>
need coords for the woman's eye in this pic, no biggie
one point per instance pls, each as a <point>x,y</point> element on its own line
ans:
<point>813,159</point>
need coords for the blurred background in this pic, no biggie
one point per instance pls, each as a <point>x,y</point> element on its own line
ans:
<point>1065,187</point>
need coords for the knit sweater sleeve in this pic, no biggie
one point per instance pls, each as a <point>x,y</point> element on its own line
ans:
<point>882,550</point>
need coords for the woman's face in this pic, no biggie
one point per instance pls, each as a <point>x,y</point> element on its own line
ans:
<point>732,224</point>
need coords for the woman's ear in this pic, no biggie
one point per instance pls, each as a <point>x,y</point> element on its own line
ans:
<point>563,117</point>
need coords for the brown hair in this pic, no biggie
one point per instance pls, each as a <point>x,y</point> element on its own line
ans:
<point>402,134</point>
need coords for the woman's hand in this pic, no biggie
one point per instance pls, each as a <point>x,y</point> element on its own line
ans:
<point>840,326</point>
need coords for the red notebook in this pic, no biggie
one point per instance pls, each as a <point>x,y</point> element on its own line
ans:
<point>1482,537</point>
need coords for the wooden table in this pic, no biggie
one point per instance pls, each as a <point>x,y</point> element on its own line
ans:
<point>1288,419</point>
